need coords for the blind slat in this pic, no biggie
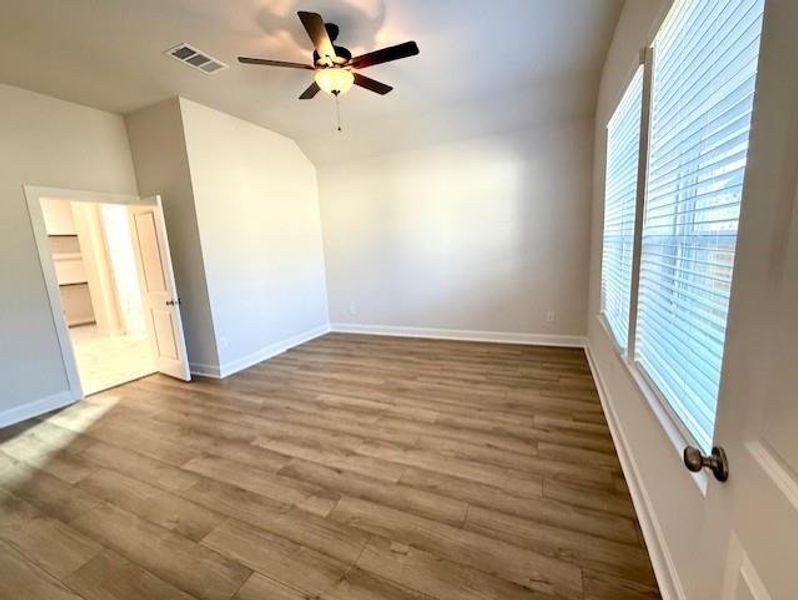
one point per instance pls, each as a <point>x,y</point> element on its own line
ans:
<point>623,150</point>
<point>701,106</point>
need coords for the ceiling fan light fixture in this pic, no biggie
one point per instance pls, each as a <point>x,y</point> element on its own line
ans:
<point>335,69</point>
<point>334,80</point>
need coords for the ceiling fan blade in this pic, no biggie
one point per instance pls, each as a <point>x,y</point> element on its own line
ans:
<point>314,25</point>
<point>372,84</point>
<point>385,55</point>
<point>310,92</point>
<point>273,63</point>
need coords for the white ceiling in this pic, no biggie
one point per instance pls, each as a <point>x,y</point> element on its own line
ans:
<point>485,65</point>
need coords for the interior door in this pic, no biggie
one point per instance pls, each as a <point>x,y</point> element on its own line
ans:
<point>157,280</point>
<point>750,528</point>
<point>758,427</point>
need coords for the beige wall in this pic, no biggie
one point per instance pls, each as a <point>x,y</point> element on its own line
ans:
<point>482,235</point>
<point>44,142</point>
<point>159,153</point>
<point>258,213</point>
<point>259,207</point>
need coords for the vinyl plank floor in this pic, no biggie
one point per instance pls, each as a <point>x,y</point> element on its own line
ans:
<point>348,468</point>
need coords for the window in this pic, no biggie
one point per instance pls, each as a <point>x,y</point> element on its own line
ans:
<point>620,192</point>
<point>701,103</point>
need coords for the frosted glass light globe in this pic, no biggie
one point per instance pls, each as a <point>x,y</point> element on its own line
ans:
<point>334,80</point>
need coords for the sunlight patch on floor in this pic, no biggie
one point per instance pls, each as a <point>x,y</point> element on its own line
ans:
<point>107,361</point>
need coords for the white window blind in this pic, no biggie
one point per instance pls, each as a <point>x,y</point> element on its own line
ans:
<point>702,98</point>
<point>620,195</point>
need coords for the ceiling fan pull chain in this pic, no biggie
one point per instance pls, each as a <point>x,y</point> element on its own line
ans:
<point>338,111</point>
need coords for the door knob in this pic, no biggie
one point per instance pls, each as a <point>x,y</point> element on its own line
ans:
<point>716,462</point>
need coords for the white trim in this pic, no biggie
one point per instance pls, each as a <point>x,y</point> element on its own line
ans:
<point>265,353</point>
<point>36,408</point>
<point>82,195</point>
<point>272,350</point>
<point>602,318</point>
<point>204,370</point>
<point>501,337</point>
<point>661,559</point>
<point>33,196</point>
<point>678,435</point>
<point>775,470</point>
<point>647,56</point>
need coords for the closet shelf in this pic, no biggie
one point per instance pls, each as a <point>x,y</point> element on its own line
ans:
<point>73,283</point>
<point>67,256</point>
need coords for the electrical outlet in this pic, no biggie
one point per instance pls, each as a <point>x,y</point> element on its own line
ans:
<point>352,309</point>
<point>551,316</point>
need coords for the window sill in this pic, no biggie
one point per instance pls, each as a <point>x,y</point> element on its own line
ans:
<point>662,412</point>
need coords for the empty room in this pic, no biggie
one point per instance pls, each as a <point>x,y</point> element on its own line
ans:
<point>398,300</point>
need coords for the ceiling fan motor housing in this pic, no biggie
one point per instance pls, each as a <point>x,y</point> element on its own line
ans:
<point>332,30</point>
<point>343,55</point>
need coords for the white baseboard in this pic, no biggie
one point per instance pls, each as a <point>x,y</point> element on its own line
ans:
<point>36,408</point>
<point>231,367</point>
<point>203,370</point>
<point>270,351</point>
<point>661,560</point>
<point>531,339</point>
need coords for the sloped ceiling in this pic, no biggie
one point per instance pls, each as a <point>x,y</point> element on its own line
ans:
<point>485,66</point>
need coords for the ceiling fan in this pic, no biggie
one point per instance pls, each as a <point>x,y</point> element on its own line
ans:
<point>335,68</point>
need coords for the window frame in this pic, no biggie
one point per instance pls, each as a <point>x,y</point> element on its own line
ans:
<point>639,194</point>
<point>676,430</point>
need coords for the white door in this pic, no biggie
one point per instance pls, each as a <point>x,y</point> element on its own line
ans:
<point>756,511</point>
<point>747,548</point>
<point>157,280</point>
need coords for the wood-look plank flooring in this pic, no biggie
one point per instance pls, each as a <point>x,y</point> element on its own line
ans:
<point>349,468</point>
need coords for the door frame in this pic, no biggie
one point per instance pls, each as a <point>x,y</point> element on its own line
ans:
<point>33,196</point>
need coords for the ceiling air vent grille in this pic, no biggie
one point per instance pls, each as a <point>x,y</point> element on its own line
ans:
<point>196,59</point>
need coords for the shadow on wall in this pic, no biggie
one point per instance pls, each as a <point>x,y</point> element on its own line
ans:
<point>358,19</point>
<point>488,234</point>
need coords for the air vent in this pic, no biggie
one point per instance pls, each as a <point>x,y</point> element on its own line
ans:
<point>201,61</point>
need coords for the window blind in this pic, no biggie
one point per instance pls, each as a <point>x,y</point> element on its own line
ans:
<point>623,150</point>
<point>702,98</point>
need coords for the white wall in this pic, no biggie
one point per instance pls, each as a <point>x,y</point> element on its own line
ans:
<point>159,153</point>
<point>258,214</point>
<point>116,222</point>
<point>97,262</point>
<point>44,142</point>
<point>482,235</point>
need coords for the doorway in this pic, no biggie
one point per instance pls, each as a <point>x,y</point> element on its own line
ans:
<point>108,271</point>
<point>96,273</point>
